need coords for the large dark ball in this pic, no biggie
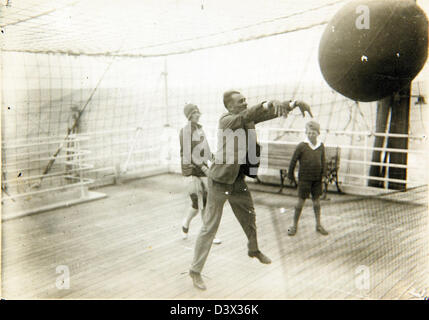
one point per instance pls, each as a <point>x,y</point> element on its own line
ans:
<point>367,60</point>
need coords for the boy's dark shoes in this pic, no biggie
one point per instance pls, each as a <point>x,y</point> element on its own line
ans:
<point>291,231</point>
<point>321,230</point>
<point>260,256</point>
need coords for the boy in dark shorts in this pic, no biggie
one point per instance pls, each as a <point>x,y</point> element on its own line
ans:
<point>312,167</point>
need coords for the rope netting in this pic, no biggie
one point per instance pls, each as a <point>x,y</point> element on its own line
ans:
<point>111,80</point>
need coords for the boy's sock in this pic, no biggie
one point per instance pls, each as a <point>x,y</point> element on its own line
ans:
<point>292,230</point>
<point>316,208</point>
<point>298,211</point>
<point>319,228</point>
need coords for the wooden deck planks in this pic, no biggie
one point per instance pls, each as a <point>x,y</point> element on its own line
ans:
<point>129,246</point>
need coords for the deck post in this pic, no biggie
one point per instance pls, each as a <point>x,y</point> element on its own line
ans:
<point>399,123</point>
<point>383,107</point>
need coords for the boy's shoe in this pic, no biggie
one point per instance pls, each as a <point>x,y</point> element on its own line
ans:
<point>260,256</point>
<point>321,230</point>
<point>291,231</point>
<point>185,233</point>
<point>197,280</point>
<point>217,241</point>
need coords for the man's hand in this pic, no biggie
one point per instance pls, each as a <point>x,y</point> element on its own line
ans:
<point>281,109</point>
<point>304,107</point>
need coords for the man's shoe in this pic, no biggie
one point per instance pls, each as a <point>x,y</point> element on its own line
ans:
<point>197,280</point>
<point>217,241</point>
<point>260,256</point>
<point>321,230</point>
<point>291,231</point>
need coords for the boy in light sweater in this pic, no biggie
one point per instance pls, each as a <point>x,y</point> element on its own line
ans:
<point>312,167</point>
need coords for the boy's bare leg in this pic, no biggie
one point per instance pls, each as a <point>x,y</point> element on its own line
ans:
<point>298,209</point>
<point>316,207</point>
<point>187,220</point>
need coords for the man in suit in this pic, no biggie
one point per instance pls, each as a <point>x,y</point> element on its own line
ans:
<point>234,159</point>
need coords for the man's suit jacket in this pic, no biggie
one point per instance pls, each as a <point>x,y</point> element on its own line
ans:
<point>227,172</point>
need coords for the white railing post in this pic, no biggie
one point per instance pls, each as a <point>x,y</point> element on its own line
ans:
<point>365,155</point>
<point>83,187</point>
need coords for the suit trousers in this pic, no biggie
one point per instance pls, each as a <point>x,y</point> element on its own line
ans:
<point>240,199</point>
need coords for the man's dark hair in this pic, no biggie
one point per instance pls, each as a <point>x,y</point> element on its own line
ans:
<point>227,97</point>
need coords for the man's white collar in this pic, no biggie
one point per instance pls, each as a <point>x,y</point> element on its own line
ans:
<point>312,146</point>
